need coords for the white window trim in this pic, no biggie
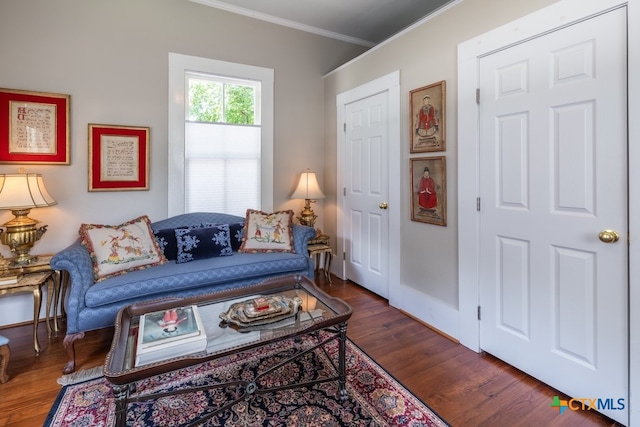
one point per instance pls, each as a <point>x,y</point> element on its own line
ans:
<point>178,65</point>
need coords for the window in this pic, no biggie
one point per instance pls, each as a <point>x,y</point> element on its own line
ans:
<point>220,136</point>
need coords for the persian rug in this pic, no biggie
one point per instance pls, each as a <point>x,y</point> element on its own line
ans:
<point>375,398</point>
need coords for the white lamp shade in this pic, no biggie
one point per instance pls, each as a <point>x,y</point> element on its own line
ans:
<point>24,191</point>
<point>308,187</point>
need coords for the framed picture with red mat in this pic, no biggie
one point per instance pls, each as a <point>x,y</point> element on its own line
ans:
<point>34,127</point>
<point>118,158</point>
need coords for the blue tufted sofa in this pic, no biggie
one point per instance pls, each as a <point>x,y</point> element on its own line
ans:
<point>92,305</point>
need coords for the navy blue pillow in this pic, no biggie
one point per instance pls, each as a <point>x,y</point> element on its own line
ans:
<point>235,230</point>
<point>201,243</point>
<point>166,239</point>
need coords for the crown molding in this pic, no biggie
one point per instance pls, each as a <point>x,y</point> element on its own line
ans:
<point>281,21</point>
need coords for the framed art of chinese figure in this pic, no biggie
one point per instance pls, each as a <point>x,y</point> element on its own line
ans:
<point>427,106</point>
<point>429,190</point>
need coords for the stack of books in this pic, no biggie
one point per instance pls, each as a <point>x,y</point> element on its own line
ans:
<point>170,333</point>
<point>10,278</point>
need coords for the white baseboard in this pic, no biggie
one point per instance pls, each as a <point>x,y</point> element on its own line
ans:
<point>429,310</point>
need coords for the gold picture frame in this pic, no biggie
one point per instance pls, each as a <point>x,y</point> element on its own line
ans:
<point>34,127</point>
<point>429,190</point>
<point>427,120</point>
<point>118,158</point>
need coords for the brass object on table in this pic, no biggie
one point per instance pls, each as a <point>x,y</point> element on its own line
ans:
<point>20,193</point>
<point>245,314</point>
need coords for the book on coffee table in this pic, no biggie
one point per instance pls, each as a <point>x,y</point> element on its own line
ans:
<point>169,333</point>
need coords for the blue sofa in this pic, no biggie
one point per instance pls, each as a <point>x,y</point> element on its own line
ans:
<point>93,305</point>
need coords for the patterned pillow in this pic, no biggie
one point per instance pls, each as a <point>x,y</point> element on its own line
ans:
<point>236,235</point>
<point>201,243</point>
<point>116,249</point>
<point>166,239</point>
<point>267,232</point>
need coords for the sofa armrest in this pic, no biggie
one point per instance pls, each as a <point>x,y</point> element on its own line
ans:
<point>301,236</point>
<point>76,260</point>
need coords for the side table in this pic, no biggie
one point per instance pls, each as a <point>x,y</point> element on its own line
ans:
<point>320,249</point>
<point>33,282</point>
<point>54,295</point>
<point>34,276</point>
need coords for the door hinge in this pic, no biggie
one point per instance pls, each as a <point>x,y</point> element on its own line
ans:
<point>344,256</point>
<point>478,204</point>
<point>479,313</point>
<point>344,127</point>
<point>478,96</point>
<point>344,191</point>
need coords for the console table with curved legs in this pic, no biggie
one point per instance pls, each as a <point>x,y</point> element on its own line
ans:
<point>33,278</point>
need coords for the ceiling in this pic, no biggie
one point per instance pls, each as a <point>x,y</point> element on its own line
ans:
<point>365,22</point>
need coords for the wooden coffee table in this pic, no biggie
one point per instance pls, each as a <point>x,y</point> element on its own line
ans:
<point>319,311</point>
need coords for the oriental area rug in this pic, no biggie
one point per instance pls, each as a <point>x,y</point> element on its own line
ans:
<point>375,398</point>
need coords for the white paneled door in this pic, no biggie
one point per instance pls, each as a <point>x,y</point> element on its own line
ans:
<point>553,242</point>
<point>366,187</point>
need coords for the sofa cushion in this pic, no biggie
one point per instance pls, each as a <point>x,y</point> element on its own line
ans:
<point>117,249</point>
<point>174,278</point>
<point>201,243</point>
<point>267,232</point>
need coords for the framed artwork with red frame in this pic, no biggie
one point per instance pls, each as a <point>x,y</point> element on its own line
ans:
<point>118,158</point>
<point>429,190</point>
<point>427,105</point>
<point>34,127</point>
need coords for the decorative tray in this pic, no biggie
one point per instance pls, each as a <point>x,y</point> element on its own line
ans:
<point>261,311</point>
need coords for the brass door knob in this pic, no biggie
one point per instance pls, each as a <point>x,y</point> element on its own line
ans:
<point>609,236</point>
<point>383,205</point>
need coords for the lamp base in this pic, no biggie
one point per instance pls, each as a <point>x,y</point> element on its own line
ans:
<point>307,216</point>
<point>20,234</point>
<point>21,260</point>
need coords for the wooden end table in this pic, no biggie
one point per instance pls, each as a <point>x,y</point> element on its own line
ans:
<point>320,249</point>
<point>319,312</point>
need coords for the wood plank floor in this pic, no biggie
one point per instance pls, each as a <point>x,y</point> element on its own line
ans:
<point>463,387</point>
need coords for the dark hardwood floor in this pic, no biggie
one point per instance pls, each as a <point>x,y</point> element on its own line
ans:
<point>463,387</point>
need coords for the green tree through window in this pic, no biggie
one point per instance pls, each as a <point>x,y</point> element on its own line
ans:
<point>221,102</point>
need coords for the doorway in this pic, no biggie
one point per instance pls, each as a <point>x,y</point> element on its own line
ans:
<point>553,176</point>
<point>563,259</point>
<point>381,274</point>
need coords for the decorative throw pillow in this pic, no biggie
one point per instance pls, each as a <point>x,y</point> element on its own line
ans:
<point>267,232</point>
<point>116,249</point>
<point>166,239</point>
<point>235,230</point>
<point>200,243</point>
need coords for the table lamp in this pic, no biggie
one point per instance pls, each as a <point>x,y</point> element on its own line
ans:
<point>20,193</point>
<point>309,190</point>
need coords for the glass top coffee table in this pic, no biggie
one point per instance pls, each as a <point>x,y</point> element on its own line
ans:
<point>314,311</point>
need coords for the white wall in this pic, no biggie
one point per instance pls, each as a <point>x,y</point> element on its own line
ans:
<point>112,58</point>
<point>425,54</point>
